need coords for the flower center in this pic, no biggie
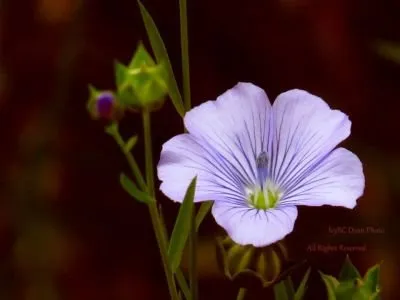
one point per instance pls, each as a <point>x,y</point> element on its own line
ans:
<point>265,197</point>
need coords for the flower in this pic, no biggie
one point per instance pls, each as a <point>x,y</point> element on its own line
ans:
<point>258,161</point>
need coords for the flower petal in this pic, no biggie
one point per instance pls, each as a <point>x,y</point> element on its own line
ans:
<point>256,227</point>
<point>305,131</point>
<point>235,125</point>
<point>338,180</point>
<point>183,158</point>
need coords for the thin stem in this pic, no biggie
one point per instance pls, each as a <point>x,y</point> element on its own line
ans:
<point>185,53</point>
<point>154,213</point>
<point>178,274</point>
<point>187,105</point>
<point>193,257</point>
<point>113,131</point>
<point>131,160</point>
<point>182,284</point>
<point>148,152</point>
<point>242,292</point>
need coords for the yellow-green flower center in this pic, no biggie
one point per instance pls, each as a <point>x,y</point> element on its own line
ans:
<point>265,197</point>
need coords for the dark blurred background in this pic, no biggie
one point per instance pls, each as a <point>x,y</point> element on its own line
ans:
<point>68,231</point>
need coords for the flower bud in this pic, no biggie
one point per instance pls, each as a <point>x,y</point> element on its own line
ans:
<point>141,84</point>
<point>249,266</point>
<point>103,105</point>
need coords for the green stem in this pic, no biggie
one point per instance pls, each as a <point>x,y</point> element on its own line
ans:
<point>193,258</point>
<point>182,284</point>
<point>185,53</point>
<point>113,131</point>
<point>242,292</point>
<point>131,161</point>
<point>154,213</point>
<point>178,274</point>
<point>148,152</point>
<point>187,104</point>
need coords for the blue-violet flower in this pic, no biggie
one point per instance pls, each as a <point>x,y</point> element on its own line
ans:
<point>258,161</point>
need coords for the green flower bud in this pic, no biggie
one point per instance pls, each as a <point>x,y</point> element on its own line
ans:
<point>248,265</point>
<point>141,84</point>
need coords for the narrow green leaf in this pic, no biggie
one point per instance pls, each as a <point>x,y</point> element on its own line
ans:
<point>348,271</point>
<point>181,229</point>
<point>331,283</point>
<point>289,288</point>
<point>371,278</point>
<point>280,291</point>
<point>112,129</point>
<point>130,143</point>
<point>302,287</point>
<point>132,190</point>
<point>202,213</point>
<point>161,54</point>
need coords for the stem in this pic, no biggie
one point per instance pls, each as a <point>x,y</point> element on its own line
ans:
<point>148,152</point>
<point>185,53</point>
<point>113,131</point>
<point>193,257</point>
<point>182,284</point>
<point>131,161</point>
<point>242,292</point>
<point>178,274</point>
<point>154,214</point>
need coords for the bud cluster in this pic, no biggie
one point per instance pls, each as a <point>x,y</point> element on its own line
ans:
<point>142,84</point>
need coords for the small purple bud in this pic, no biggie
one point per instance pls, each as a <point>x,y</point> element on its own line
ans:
<point>105,103</point>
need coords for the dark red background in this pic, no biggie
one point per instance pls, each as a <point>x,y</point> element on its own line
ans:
<point>68,231</point>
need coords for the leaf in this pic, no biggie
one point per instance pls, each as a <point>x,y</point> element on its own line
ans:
<point>303,286</point>
<point>348,271</point>
<point>181,229</point>
<point>289,287</point>
<point>202,213</point>
<point>280,291</point>
<point>371,278</point>
<point>130,143</point>
<point>349,289</point>
<point>132,190</point>
<point>161,54</point>
<point>112,129</point>
<point>331,283</point>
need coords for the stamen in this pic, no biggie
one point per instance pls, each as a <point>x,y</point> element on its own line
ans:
<point>264,198</point>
